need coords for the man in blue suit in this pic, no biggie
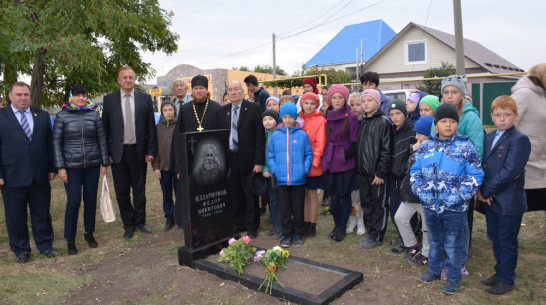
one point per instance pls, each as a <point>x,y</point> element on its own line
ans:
<point>26,169</point>
<point>129,125</point>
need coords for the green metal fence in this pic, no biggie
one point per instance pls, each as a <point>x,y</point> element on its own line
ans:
<point>483,95</point>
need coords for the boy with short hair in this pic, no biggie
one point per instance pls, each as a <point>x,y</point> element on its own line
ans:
<point>445,175</point>
<point>270,120</point>
<point>374,147</point>
<point>289,157</point>
<point>370,80</point>
<point>506,152</point>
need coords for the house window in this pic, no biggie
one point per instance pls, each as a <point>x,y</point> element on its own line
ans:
<point>416,52</point>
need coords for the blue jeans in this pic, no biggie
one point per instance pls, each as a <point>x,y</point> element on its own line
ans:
<point>88,179</point>
<point>274,210</point>
<point>503,231</point>
<point>168,181</point>
<point>446,235</point>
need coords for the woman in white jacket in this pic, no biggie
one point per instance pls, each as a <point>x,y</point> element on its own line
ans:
<point>529,95</point>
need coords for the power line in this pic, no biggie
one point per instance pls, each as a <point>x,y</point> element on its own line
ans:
<point>326,22</point>
<point>317,18</point>
<point>298,33</point>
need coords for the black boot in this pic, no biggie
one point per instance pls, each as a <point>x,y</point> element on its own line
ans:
<point>71,245</point>
<point>311,230</point>
<point>339,235</point>
<point>332,234</point>
<point>90,240</point>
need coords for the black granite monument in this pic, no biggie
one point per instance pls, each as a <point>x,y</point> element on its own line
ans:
<point>204,185</point>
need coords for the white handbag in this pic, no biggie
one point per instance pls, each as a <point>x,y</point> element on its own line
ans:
<point>106,208</point>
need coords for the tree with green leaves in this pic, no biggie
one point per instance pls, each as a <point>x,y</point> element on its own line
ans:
<point>269,69</point>
<point>64,42</point>
<point>241,68</point>
<point>435,86</point>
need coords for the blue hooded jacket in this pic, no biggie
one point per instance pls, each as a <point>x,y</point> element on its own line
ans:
<point>289,156</point>
<point>446,173</point>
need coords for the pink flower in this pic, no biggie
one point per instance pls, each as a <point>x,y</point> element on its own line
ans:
<point>231,240</point>
<point>221,252</point>
<point>246,239</point>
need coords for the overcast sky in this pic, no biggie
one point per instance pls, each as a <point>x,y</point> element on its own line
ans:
<point>232,33</point>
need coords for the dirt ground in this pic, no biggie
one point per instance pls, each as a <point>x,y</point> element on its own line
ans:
<point>148,270</point>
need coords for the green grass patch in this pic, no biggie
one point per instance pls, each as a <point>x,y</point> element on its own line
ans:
<point>32,286</point>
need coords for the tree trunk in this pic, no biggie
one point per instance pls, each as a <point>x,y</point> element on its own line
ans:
<point>10,77</point>
<point>37,81</point>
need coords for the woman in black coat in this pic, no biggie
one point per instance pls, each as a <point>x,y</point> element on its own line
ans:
<point>79,149</point>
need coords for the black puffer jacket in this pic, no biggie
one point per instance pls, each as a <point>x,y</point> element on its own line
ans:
<point>79,140</point>
<point>374,146</point>
<point>403,139</point>
<point>406,195</point>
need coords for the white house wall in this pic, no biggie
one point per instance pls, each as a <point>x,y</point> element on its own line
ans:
<point>392,60</point>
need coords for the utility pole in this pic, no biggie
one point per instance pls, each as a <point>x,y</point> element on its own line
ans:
<point>361,58</point>
<point>357,63</point>
<point>274,66</point>
<point>459,45</point>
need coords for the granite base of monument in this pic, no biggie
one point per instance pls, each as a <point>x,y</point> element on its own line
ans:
<point>349,279</point>
<point>188,255</point>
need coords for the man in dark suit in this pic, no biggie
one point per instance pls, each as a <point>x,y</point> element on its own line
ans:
<point>25,172</point>
<point>129,124</point>
<point>247,145</point>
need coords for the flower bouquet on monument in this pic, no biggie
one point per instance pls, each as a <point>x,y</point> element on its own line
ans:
<point>238,253</point>
<point>272,259</point>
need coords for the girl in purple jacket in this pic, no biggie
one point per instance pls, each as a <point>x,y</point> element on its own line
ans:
<point>338,160</point>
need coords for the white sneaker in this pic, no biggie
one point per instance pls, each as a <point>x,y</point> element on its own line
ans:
<point>352,224</point>
<point>361,230</point>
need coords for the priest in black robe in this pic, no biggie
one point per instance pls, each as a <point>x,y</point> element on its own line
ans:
<point>197,115</point>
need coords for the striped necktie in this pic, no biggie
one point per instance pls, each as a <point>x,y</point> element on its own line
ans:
<point>234,121</point>
<point>24,124</point>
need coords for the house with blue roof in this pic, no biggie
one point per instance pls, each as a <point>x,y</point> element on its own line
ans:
<point>340,53</point>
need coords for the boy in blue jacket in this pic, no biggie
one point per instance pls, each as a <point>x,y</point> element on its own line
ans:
<point>289,157</point>
<point>506,152</point>
<point>445,175</point>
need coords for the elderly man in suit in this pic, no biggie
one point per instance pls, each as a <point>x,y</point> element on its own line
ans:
<point>26,168</point>
<point>180,90</point>
<point>129,124</point>
<point>247,145</point>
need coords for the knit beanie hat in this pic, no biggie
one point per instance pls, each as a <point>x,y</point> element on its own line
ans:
<point>311,82</point>
<point>272,113</point>
<point>432,100</point>
<point>457,81</point>
<point>398,104</point>
<point>539,71</point>
<point>338,89</point>
<point>200,80</point>
<point>446,111</point>
<point>272,98</point>
<point>309,96</point>
<point>414,97</point>
<point>424,125</point>
<point>289,109</point>
<point>373,93</point>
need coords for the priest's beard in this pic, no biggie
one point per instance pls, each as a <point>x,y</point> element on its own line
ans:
<point>199,100</point>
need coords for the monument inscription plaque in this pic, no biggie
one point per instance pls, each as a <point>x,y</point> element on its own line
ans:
<point>204,185</point>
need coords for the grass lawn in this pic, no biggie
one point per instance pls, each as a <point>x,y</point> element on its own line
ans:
<point>94,275</point>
